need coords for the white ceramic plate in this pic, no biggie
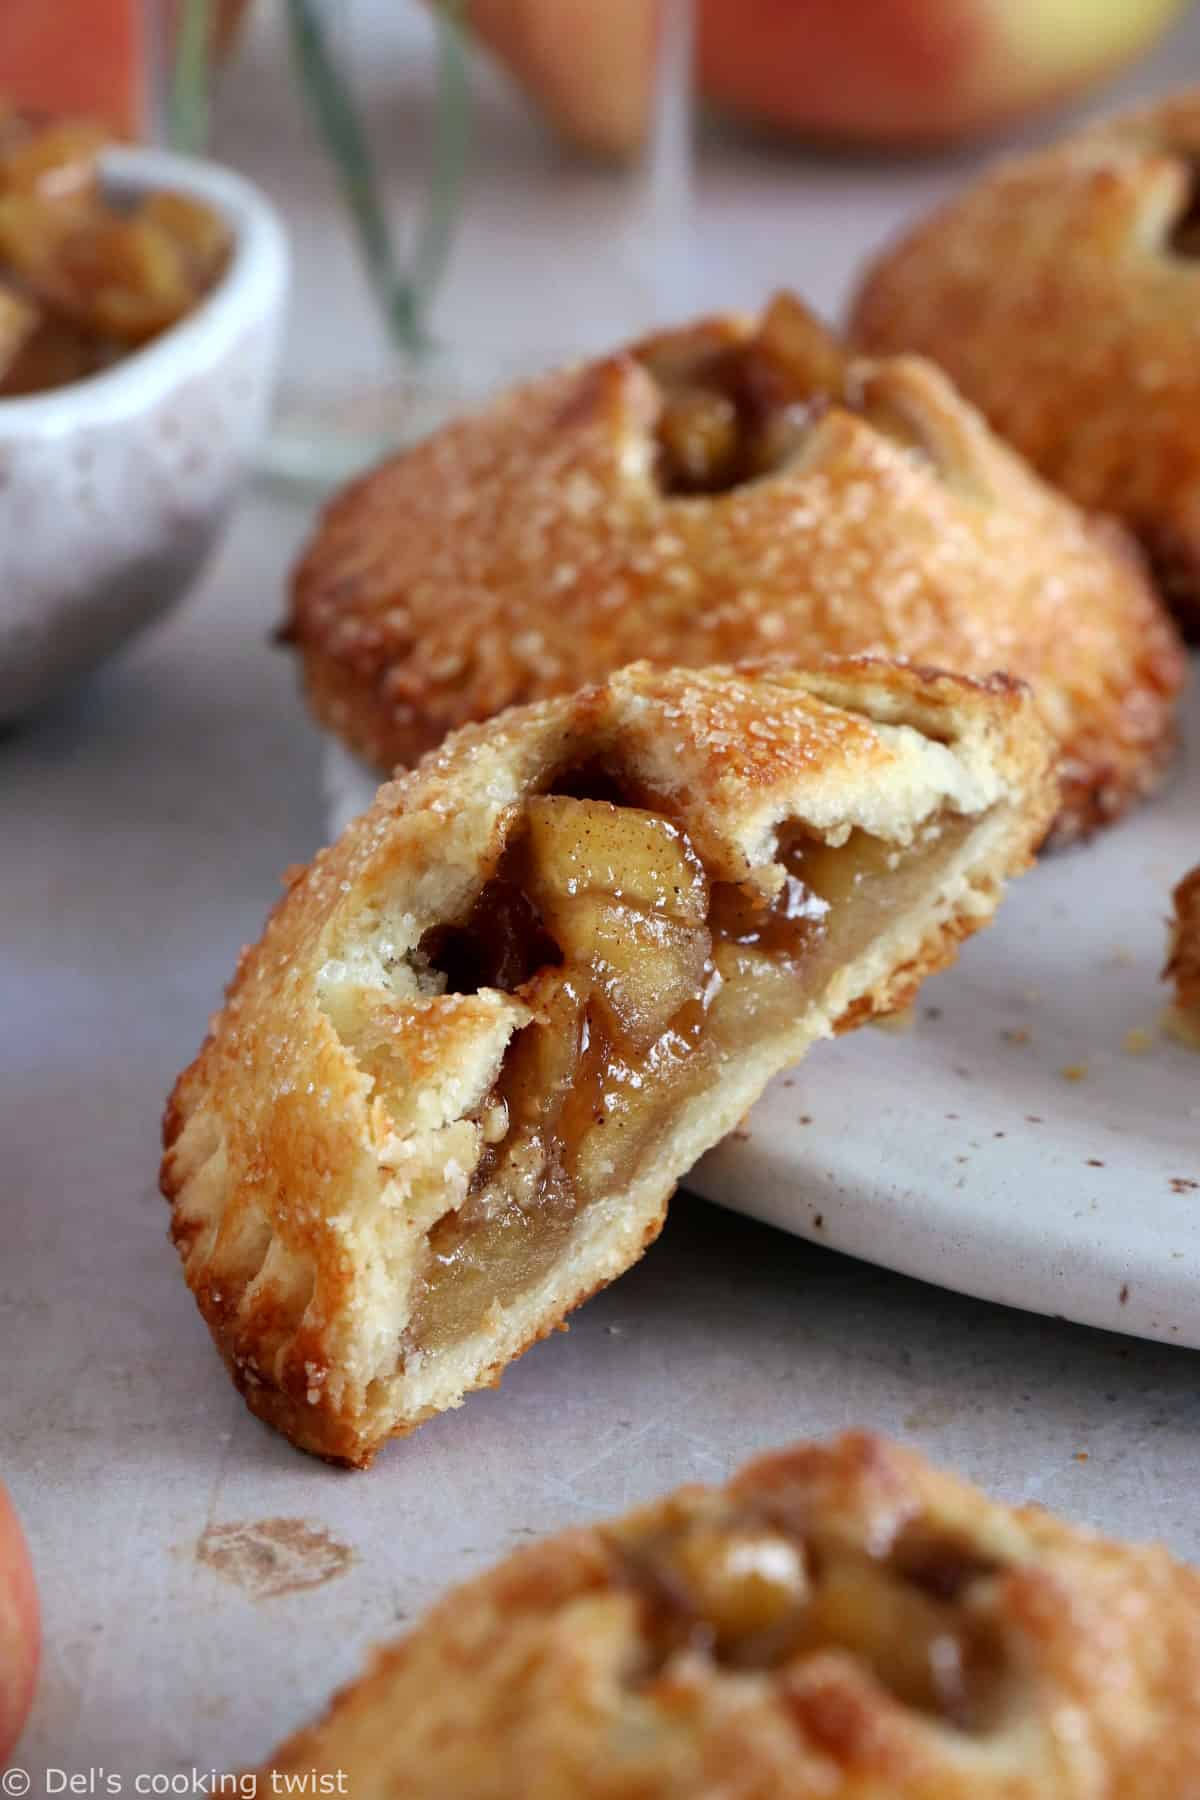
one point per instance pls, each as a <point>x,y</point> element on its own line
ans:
<point>1033,1138</point>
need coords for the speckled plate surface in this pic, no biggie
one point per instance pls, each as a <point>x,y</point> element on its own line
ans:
<point>1033,1138</point>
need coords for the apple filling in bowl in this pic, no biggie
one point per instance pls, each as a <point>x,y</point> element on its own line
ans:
<point>732,412</point>
<point>644,976</point>
<point>753,1592</point>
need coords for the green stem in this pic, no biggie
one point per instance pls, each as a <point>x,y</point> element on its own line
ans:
<point>187,101</point>
<point>451,147</point>
<point>403,296</point>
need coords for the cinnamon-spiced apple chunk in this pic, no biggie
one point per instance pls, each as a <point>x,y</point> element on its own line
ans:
<point>482,1037</point>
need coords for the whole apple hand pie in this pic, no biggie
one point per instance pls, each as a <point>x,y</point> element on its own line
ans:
<point>1061,294</point>
<point>841,1622</point>
<point>738,488</point>
<point>482,1037</point>
<point>1183,962</point>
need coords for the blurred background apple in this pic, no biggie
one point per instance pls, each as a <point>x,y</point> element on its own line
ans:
<point>914,71</point>
<point>20,1630</point>
<point>900,72</point>
<point>888,72</point>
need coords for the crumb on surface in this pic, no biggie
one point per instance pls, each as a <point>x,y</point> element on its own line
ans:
<point>1137,1041</point>
<point>1074,1072</point>
<point>1017,1034</point>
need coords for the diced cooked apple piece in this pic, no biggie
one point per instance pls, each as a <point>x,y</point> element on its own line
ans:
<point>699,437</point>
<point>838,875</point>
<point>644,966</point>
<point>125,277</point>
<point>907,1636</point>
<point>199,233</point>
<point>798,347</point>
<point>586,846</point>
<point>56,162</point>
<point>543,1061</point>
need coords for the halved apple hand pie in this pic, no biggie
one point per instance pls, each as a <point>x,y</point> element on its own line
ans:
<point>841,1622</point>
<point>484,1035</point>
<point>741,487</point>
<point>1183,961</point>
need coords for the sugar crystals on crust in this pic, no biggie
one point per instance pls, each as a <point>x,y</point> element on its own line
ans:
<point>736,488</point>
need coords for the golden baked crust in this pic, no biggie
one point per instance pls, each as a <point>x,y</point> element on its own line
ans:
<point>1060,293</point>
<point>841,1622</point>
<point>627,908</point>
<point>1183,961</point>
<point>532,549</point>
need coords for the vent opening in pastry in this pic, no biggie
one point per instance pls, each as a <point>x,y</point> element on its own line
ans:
<point>733,412</point>
<point>644,975</point>
<point>752,1594</point>
<point>1184,240</point>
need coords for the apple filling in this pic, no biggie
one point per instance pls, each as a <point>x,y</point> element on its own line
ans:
<point>731,413</point>
<point>645,976</point>
<point>753,1594</point>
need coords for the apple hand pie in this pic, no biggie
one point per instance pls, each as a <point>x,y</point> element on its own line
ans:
<point>482,1037</point>
<point>841,1622</point>
<point>1183,962</point>
<point>1060,293</point>
<point>733,489</point>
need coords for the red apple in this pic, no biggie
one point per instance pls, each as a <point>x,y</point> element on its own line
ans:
<point>913,71</point>
<point>74,56</point>
<point>20,1630</point>
<point>91,57</point>
<point>872,71</point>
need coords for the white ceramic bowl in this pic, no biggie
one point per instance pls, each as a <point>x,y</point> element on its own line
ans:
<point>114,489</point>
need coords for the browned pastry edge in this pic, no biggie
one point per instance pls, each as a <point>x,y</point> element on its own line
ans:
<point>841,1622</point>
